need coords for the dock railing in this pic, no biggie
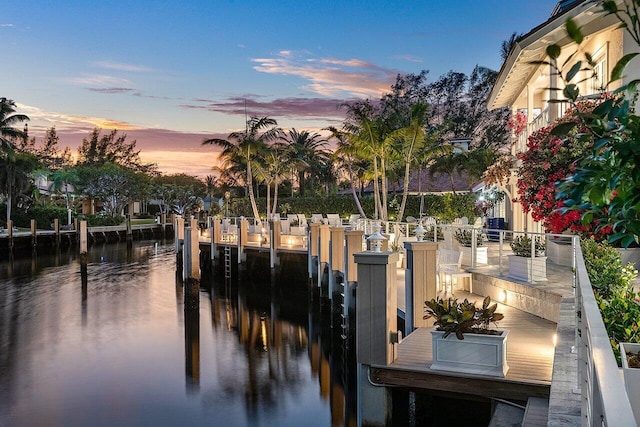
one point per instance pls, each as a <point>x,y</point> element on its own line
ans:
<point>604,398</point>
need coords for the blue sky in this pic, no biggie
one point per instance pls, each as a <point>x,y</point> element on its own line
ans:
<point>170,73</point>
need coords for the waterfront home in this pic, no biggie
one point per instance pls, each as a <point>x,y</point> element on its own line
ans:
<point>523,83</point>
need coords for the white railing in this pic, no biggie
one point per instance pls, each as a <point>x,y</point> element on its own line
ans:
<point>604,399</point>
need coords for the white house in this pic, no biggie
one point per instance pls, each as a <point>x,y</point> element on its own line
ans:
<point>523,85</point>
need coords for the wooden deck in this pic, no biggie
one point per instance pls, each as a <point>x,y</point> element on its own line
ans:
<point>530,351</point>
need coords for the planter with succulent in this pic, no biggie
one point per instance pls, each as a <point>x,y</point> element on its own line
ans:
<point>462,340</point>
<point>522,265</point>
<point>630,353</point>
<point>465,237</point>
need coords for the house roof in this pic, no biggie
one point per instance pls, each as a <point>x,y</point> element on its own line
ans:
<point>420,181</point>
<point>519,67</point>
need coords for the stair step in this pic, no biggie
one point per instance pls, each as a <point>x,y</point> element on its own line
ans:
<point>537,412</point>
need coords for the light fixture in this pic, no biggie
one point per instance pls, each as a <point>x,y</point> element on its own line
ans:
<point>375,240</point>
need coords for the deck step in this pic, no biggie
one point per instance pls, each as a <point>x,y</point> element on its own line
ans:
<point>505,415</point>
<point>537,412</point>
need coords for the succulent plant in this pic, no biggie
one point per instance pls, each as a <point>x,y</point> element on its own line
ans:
<point>462,317</point>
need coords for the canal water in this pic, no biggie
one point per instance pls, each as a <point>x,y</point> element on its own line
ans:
<point>119,346</point>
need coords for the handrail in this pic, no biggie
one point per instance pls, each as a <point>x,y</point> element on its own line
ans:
<point>605,400</point>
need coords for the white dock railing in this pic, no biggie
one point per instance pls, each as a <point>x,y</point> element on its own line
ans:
<point>604,398</point>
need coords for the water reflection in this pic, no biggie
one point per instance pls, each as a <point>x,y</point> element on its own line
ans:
<point>122,341</point>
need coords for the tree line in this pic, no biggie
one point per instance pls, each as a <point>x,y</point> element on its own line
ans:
<point>410,128</point>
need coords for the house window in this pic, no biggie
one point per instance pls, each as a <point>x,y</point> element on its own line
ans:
<point>600,71</point>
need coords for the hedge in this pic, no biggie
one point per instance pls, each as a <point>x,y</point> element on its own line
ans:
<point>445,207</point>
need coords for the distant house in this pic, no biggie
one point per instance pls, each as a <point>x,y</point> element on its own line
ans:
<point>523,85</point>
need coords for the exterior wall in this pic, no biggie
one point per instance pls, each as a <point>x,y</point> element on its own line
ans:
<point>613,43</point>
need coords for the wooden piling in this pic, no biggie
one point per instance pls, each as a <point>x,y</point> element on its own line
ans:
<point>10,234</point>
<point>243,237</point>
<point>376,330</point>
<point>83,237</point>
<point>34,233</point>
<point>129,229</point>
<point>275,233</point>
<point>56,230</point>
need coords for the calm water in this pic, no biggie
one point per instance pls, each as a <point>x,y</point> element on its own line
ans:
<point>122,350</point>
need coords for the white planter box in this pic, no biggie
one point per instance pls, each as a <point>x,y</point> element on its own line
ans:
<point>560,253</point>
<point>631,378</point>
<point>476,354</point>
<point>481,255</point>
<point>520,268</point>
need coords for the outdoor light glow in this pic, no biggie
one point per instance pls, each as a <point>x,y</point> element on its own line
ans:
<point>555,339</point>
<point>503,296</point>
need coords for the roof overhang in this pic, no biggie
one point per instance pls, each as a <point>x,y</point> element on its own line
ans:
<point>520,66</point>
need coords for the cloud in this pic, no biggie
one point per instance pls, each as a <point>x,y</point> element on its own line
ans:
<point>322,108</point>
<point>409,58</point>
<point>111,89</point>
<point>331,76</point>
<point>44,119</point>
<point>6,25</point>
<point>100,80</point>
<point>109,65</point>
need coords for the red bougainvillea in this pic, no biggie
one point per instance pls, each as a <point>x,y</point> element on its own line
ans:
<point>548,160</point>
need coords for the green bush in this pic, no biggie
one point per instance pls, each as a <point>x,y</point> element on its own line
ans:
<point>102,220</point>
<point>607,274</point>
<point>44,216</point>
<point>612,284</point>
<point>444,207</point>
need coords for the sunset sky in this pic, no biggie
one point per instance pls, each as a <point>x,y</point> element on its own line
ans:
<point>171,73</point>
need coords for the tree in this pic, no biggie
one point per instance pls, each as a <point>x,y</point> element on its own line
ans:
<point>346,154</point>
<point>99,150</point>
<point>63,179</point>
<point>9,119</point>
<point>368,132</point>
<point>306,154</point>
<point>240,147</point>
<point>15,166</point>
<point>112,184</point>
<point>15,176</point>
<point>507,45</point>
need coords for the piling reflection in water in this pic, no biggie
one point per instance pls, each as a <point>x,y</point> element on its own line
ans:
<point>117,345</point>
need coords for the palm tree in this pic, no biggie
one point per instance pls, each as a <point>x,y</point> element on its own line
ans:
<point>62,179</point>
<point>368,131</point>
<point>448,164</point>
<point>306,154</point>
<point>346,154</point>
<point>15,175</point>
<point>8,119</point>
<point>240,147</point>
<point>272,170</point>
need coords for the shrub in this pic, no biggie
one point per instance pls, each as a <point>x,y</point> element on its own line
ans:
<point>464,237</point>
<point>44,216</point>
<point>607,274</point>
<point>521,246</point>
<point>103,220</point>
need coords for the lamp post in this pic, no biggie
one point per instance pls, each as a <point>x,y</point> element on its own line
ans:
<point>376,239</point>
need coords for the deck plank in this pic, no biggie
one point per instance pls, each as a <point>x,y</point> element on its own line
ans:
<point>530,351</point>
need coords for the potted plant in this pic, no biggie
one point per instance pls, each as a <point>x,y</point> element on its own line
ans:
<point>462,340</point>
<point>524,266</point>
<point>464,237</point>
<point>630,355</point>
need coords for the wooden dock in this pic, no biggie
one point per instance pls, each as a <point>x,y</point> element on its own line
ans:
<point>530,354</point>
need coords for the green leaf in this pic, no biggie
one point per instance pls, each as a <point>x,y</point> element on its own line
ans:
<point>574,70</point>
<point>609,6</point>
<point>571,91</point>
<point>574,31</point>
<point>563,128</point>
<point>553,51</point>
<point>618,69</point>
